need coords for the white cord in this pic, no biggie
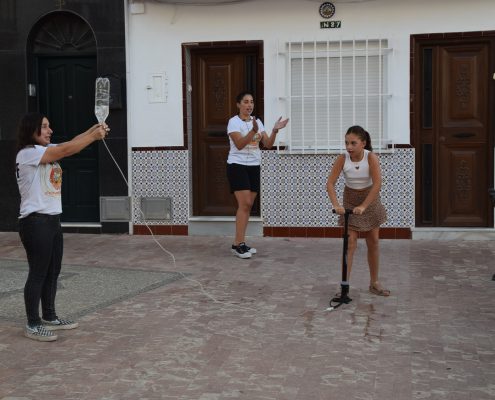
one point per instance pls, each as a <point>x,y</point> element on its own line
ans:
<point>194,281</point>
<point>203,290</point>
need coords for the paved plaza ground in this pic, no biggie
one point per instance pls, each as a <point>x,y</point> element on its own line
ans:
<point>210,326</point>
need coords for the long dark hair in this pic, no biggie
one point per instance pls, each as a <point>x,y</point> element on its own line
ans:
<point>362,134</point>
<point>28,125</point>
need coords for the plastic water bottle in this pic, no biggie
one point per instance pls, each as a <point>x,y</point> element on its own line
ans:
<point>102,99</point>
<point>101,113</point>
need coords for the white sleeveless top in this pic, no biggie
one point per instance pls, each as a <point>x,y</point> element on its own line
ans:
<point>357,174</point>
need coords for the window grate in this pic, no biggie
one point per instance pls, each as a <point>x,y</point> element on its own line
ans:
<point>331,85</point>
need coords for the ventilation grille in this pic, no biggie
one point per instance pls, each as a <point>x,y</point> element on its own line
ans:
<point>115,209</point>
<point>157,208</point>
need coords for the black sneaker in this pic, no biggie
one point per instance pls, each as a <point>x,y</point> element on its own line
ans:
<point>240,252</point>
<point>60,324</point>
<point>245,247</point>
<point>40,333</point>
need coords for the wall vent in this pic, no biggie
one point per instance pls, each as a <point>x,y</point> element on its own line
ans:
<point>115,209</point>
<point>157,208</point>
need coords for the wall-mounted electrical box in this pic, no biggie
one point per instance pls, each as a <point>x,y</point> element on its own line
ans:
<point>157,88</point>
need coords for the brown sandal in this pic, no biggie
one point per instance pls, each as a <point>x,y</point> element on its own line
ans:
<point>379,291</point>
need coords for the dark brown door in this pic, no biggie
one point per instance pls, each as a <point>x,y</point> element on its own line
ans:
<point>67,92</point>
<point>455,155</point>
<point>217,76</point>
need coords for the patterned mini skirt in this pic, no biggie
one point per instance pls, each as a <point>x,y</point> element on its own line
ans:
<point>373,216</point>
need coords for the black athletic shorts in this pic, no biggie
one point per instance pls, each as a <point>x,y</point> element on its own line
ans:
<point>243,177</point>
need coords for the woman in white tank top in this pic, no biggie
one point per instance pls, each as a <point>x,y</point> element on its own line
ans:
<point>363,181</point>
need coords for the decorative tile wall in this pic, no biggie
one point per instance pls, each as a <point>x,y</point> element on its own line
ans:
<point>293,187</point>
<point>294,193</point>
<point>398,182</point>
<point>161,173</point>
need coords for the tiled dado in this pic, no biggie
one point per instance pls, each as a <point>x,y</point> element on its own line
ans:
<point>294,195</point>
<point>294,201</point>
<point>160,172</point>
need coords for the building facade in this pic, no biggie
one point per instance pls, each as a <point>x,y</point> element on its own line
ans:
<point>417,75</point>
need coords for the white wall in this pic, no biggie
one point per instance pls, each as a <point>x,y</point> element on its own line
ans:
<point>155,38</point>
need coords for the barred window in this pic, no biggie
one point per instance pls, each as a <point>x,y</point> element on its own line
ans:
<point>331,86</point>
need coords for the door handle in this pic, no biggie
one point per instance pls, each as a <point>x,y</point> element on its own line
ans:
<point>463,135</point>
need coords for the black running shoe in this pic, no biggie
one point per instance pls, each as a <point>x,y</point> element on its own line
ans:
<point>245,247</point>
<point>240,251</point>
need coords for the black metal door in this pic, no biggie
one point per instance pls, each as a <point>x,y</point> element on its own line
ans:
<point>66,94</point>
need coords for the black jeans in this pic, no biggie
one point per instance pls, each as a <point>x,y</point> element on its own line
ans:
<point>41,235</point>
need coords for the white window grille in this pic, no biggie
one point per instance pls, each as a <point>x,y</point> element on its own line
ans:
<point>331,86</point>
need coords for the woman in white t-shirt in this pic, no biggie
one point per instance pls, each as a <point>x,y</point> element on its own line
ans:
<point>363,181</point>
<point>39,178</point>
<point>243,164</point>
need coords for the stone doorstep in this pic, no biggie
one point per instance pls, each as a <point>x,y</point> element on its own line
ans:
<point>453,233</point>
<point>222,226</point>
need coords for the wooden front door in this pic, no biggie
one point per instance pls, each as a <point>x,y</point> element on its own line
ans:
<point>455,137</point>
<point>217,76</point>
<point>66,93</point>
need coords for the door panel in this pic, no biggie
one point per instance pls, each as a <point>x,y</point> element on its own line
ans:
<point>216,194</point>
<point>462,139</point>
<point>66,92</point>
<point>218,75</point>
<point>460,190</point>
<point>454,148</point>
<point>463,88</point>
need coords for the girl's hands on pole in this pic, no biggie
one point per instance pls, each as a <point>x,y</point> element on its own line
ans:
<point>358,210</point>
<point>339,210</point>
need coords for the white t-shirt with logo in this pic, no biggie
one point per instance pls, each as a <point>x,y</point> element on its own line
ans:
<point>251,154</point>
<point>40,185</point>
